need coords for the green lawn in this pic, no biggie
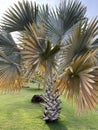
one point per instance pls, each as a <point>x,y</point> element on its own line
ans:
<point>18,113</point>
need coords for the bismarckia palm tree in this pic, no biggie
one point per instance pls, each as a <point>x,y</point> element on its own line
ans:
<point>62,43</point>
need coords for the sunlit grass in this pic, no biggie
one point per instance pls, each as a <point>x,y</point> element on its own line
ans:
<point>18,113</point>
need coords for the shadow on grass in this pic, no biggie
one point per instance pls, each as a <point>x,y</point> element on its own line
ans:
<point>58,125</point>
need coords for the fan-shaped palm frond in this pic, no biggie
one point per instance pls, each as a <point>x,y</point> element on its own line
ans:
<point>10,64</point>
<point>80,42</point>
<point>10,73</point>
<point>61,20</point>
<point>80,82</point>
<point>8,36</point>
<point>7,44</point>
<point>44,11</point>
<point>19,16</point>
<point>37,52</point>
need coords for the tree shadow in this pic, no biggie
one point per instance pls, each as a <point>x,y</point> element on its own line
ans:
<point>58,125</point>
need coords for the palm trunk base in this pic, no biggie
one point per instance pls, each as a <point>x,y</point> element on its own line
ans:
<point>52,106</point>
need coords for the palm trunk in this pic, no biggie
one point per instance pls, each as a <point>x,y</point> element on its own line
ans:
<point>52,103</point>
